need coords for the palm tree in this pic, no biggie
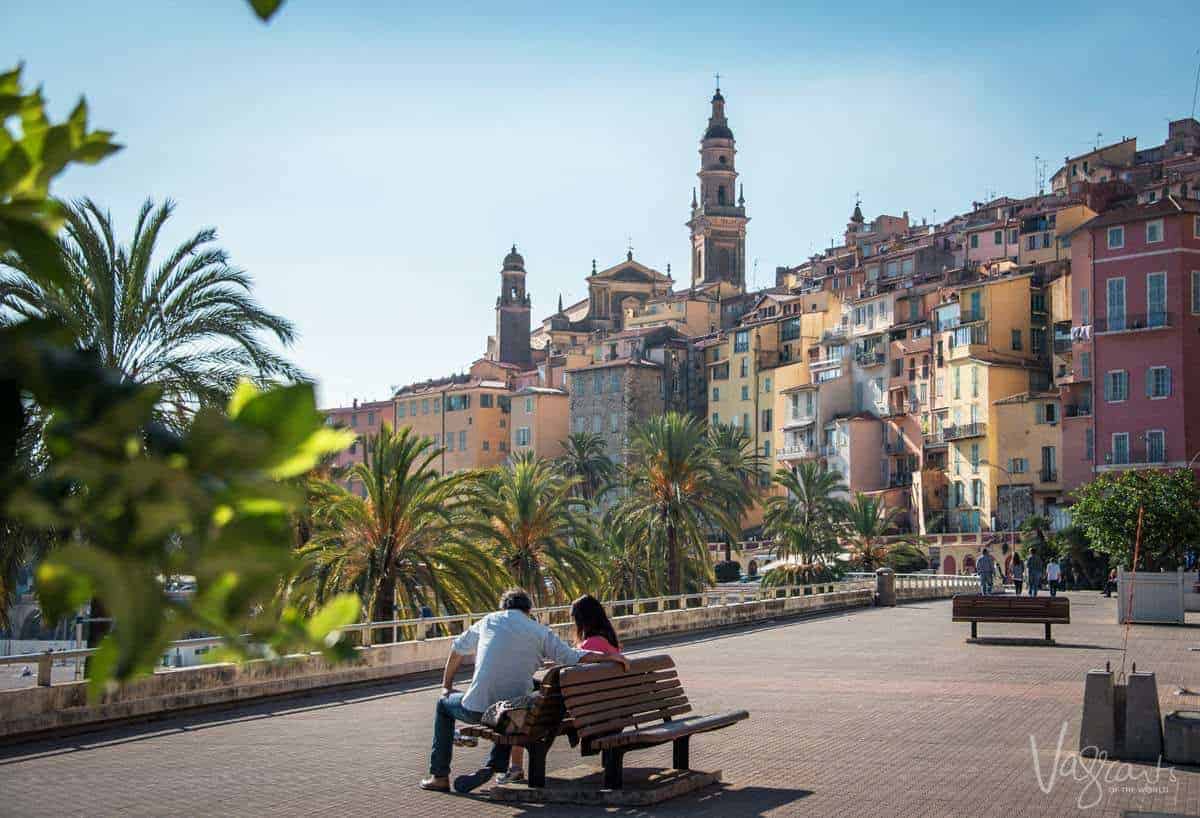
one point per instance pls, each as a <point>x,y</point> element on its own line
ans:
<point>186,323</point>
<point>399,547</point>
<point>867,522</point>
<point>525,515</point>
<point>804,521</point>
<point>676,488</point>
<point>624,565</point>
<point>735,451</point>
<point>584,458</point>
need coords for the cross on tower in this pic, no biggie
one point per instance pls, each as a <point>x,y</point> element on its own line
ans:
<point>857,199</point>
<point>718,78</point>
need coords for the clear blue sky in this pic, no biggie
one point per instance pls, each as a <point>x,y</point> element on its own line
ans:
<point>370,163</point>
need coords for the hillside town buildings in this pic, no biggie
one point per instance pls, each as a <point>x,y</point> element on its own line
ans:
<point>970,373</point>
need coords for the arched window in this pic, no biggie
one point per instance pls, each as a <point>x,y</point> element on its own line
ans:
<point>721,195</point>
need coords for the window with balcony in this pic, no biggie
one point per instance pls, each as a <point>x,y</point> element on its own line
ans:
<point>1156,299</point>
<point>1116,386</point>
<point>1120,448</point>
<point>741,341</point>
<point>1115,292</point>
<point>1156,446</point>
<point>1116,238</point>
<point>1158,382</point>
<point>1154,231</point>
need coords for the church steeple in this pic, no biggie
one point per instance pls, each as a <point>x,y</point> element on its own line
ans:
<point>513,313</point>
<point>718,222</point>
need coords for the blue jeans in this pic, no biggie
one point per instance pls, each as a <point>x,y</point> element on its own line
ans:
<point>985,583</point>
<point>1034,581</point>
<point>449,710</point>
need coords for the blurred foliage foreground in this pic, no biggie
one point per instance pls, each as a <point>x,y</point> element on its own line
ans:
<point>121,502</point>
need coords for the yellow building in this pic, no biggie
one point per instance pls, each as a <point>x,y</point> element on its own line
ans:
<point>466,416</point>
<point>1043,234</point>
<point>539,421</point>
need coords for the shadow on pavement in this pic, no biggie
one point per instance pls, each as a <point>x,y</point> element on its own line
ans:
<point>722,799</point>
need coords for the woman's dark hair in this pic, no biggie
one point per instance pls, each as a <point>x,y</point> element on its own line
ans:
<point>591,620</point>
<point>1016,558</point>
<point>516,599</point>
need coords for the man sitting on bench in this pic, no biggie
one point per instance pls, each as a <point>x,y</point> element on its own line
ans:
<point>509,645</point>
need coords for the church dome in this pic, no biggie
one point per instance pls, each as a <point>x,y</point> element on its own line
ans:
<point>514,260</point>
<point>717,131</point>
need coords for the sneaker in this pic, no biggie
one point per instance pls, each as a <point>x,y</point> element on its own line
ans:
<point>435,783</point>
<point>472,781</point>
<point>515,775</point>
<point>464,741</point>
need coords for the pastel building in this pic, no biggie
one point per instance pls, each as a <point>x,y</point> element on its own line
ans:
<point>539,421</point>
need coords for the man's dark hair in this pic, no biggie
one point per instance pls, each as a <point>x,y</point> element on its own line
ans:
<point>516,599</point>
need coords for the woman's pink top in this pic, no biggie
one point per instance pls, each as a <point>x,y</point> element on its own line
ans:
<point>597,644</point>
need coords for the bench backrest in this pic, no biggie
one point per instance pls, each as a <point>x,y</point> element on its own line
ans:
<point>602,699</point>
<point>1035,609</point>
<point>549,712</point>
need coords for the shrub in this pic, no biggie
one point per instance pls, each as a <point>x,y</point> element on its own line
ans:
<point>727,571</point>
<point>810,574</point>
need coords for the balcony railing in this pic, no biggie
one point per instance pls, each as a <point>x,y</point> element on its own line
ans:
<point>1134,322</point>
<point>834,332</point>
<point>895,447</point>
<point>870,358</point>
<point>796,452</point>
<point>899,480</point>
<point>1048,475</point>
<point>971,316</point>
<point>1072,410</point>
<point>1062,345</point>
<point>826,363</point>
<point>964,431</point>
<point>937,438</point>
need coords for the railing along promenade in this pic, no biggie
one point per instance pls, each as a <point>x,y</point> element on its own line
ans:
<point>416,646</point>
<point>405,630</point>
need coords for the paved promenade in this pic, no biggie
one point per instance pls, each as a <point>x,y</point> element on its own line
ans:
<point>869,713</point>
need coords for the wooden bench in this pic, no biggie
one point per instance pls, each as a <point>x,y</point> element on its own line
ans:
<point>614,712</point>
<point>545,723</point>
<point>1045,610</point>
<point>610,712</point>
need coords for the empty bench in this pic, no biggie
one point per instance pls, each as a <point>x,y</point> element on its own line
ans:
<point>614,712</point>
<point>1042,610</point>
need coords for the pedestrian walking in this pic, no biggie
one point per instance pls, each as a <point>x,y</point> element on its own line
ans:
<point>1053,575</point>
<point>986,568</point>
<point>1018,573</point>
<point>1033,571</point>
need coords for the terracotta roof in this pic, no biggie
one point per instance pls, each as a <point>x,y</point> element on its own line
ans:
<point>1025,397</point>
<point>1166,206</point>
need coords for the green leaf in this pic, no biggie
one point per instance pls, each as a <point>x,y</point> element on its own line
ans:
<point>61,590</point>
<point>265,9</point>
<point>325,624</point>
<point>38,249</point>
<point>14,168</point>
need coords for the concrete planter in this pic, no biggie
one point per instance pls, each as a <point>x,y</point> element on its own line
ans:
<point>1157,598</point>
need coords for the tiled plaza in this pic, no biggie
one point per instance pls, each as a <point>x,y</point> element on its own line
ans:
<point>881,712</point>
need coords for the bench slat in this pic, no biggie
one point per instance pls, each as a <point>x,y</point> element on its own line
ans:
<point>622,692</point>
<point>616,725</point>
<point>599,671</point>
<point>623,681</point>
<point>662,733</point>
<point>601,710</point>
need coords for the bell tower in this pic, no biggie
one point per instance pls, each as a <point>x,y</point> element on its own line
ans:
<point>513,313</point>
<point>718,222</point>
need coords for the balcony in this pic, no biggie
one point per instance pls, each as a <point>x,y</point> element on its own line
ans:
<point>834,333</point>
<point>964,431</point>
<point>1072,410</point>
<point>1133,323</point>
<point>867,359</point>
<point>1048,475</point>
<point>1062,345</point>
<point>935,439</point>
<point>971,316</point>
<point>895,447</point>
<point>900,480</point>
<point>796,452</point>
<point>825,363</point>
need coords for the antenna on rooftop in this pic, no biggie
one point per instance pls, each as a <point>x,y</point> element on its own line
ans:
<point>1099,137</point>
<point>1039,174</point>
<point>1196,87</point>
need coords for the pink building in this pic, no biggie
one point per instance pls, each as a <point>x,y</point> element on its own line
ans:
<point>365,420</point>
<point>1145,297</point>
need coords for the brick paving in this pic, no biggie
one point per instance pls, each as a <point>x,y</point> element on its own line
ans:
<point>869,713</point>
